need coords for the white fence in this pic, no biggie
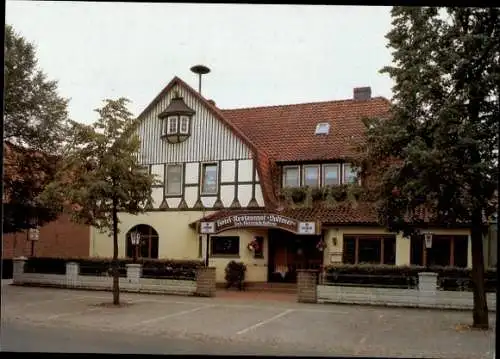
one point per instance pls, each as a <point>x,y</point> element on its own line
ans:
<point>426,296</point>
<point>132,283</point>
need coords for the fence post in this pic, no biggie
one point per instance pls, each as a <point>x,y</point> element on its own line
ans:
<point>72,274</point>
<point>18,270</point>
<point>307,291</point>
<point>134,273</point>
<point>427,289</point>
<point>205,282</point>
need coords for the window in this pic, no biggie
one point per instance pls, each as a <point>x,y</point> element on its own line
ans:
<point>350,175</point>
<point>259,251</point>
<point>311,176</point>
<point>291,176</point>
<point>148,246</point>
<point>331,175</point>
<point>184,125</point>
<point>209,179</point>
<point>172,123</point>
<point>369,249</point>
<point>225,246</point>
<point>445,251</point>
<point>174,180</point>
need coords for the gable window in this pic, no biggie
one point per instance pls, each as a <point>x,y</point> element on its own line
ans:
<point>225,246</point>
<point>350,174</point>
<point>172,124</point>
<point>174,180</point>
<point>331,175</point>
<point>209,178</point>
<point>291,176</point>
<point>311,175</point>
<point>184,127</point>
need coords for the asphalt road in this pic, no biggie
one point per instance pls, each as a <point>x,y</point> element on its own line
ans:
<point>17,337</point>
<point>59,320</point>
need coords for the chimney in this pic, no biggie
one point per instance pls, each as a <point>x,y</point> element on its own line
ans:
<point>212,102</point>
<point>362,93</point>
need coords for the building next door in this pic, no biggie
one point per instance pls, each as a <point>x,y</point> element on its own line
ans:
<point>289,252</point>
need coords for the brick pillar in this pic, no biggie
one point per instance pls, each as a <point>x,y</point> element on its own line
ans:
<point>134,273</point>
<point>72,274</point>
<point>18,270</point>
<point>427,288</point>
<point>205,282</point>
<point>306,286</point>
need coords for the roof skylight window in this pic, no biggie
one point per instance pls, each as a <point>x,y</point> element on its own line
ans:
<point>322,128</point>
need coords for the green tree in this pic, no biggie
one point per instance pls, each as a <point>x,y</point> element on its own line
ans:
<point>35,125</point>
<point>435,157</point>
<point>101,177</point>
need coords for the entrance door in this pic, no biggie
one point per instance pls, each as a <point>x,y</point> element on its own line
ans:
<point>289,252</point>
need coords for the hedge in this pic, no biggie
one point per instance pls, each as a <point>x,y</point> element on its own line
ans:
<point>449,278</point>
<point>152,268</point>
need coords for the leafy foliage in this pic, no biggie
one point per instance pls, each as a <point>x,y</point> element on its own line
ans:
<point>235,274</point>
<point>435,158</point>
<point>449,278</point>
<point>101,172</point>
<point>101,176</point>
<point>152,268</point>
<point>329,195</point>
<point>35,128</point>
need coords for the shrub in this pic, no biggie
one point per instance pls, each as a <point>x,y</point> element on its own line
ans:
<point>449,278</point>
<point>7,268</point>
<point>45,265</point>
<point>152,268</point>
<point>171,269</point>
<point>235,274</point>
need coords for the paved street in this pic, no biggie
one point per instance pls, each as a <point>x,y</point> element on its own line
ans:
<point>39,319</point>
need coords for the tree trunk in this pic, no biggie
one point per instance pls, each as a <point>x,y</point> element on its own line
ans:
<point>116,273</point>
<point>480,311</point>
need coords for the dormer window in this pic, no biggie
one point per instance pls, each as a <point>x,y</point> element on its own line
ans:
<point>184,125</point>
<point>177,117</point>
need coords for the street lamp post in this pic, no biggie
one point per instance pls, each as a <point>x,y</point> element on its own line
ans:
<point>135,238</point>
<point>428,245</point>
<point>33,236</point>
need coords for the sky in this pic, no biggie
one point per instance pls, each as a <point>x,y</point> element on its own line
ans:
<point>258,54</point>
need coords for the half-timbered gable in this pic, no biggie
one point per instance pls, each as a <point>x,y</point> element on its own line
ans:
<point>212,166</point>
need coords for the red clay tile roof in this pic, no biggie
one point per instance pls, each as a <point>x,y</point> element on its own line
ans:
<point>363,213</point>
<point>286,132</point>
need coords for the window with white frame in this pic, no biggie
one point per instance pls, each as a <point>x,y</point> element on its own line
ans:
<point>209,178</point>
<point>311,175</point>
<point>184,127</point>
<point>174,180</point>
<point>291,176</point>
<point>331,175</point>
<point>350,174</point>
<point>172,124</point>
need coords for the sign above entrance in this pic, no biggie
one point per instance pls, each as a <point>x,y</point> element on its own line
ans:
<point>259,220</point>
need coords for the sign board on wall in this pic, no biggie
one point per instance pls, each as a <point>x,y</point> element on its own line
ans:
<point>259,220</point>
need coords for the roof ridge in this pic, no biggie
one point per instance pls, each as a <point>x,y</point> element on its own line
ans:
<point>303,103</point>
